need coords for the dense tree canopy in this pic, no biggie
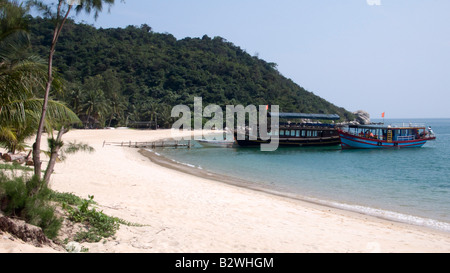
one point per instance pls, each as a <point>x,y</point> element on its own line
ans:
<point>139,75</point>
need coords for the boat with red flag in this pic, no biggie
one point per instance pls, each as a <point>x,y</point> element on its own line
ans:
<point>378,136</point>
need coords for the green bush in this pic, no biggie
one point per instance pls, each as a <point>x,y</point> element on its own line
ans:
<point>16,200</point>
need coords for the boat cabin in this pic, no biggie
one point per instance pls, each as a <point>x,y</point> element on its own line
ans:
<point>404,132</point>
<point>293,132</point>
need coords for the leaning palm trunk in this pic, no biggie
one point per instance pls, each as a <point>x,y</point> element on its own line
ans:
<point>37,144</point>
<point>60,19</point>
<point>54,150</point>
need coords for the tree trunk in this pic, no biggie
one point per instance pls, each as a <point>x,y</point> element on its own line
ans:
<point>37,144</point>
<point>87,120</point>
<point>110,120</point>
<point>54,155</point>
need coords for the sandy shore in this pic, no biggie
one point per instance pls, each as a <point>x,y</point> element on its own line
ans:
<point>183,212</point>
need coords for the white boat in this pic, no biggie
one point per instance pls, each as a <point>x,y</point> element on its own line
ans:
<point>216,143</point>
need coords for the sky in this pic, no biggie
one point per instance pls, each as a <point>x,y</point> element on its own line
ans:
<point>389,56</point>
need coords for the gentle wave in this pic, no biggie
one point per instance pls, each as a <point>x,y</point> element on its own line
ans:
<point>388,215</point>
<point>176,161</point>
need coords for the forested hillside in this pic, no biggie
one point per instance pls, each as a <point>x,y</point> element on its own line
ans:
<point>117,76</point>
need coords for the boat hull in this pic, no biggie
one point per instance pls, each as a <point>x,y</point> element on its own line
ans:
<point>349,141</point>
<point>294,142</point>
<point>216,144</point>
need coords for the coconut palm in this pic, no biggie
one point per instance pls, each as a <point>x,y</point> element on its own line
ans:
<point>60,15</point>
<point>96,106</point>
<point>21,73</point>
<point>117,106</point>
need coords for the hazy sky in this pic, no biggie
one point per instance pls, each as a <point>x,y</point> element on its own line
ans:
<point>392,56</point>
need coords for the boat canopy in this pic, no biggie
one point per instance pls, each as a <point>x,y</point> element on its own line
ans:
<point>305,116</point>
<point>388,127</point>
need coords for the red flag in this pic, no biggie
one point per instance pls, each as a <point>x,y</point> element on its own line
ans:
<point>267,107</point>
<point>382,115</point>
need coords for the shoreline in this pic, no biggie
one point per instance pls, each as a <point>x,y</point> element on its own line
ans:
<point>163,161</point>
<point>185,213</point>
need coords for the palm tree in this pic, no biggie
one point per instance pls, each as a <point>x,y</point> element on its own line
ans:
<point>151,110</point>
<point>76,96</point>
<point>60,15</point>
<point>117,105</point>
<point>19,70</point>
<point>20,74</point>
<point>95,106</point>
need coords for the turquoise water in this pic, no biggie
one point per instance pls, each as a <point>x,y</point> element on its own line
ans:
<point>408,185</point>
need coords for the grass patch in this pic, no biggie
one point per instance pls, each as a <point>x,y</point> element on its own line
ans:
<point>68,198</point>
<point>15,166</point>
<point>100,224</point>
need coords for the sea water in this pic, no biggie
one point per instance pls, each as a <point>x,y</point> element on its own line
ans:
<point>408,185</point>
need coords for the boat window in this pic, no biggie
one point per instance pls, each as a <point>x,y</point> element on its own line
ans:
<point>303,133</point>
<point>281,132</point>
<point>293,133</point>
<point>297,133</point>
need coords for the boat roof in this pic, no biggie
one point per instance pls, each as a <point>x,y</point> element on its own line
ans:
<point>305,116</point>
<point>384,126</point>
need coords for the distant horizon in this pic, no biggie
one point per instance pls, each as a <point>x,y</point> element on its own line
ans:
<point>355,54</point>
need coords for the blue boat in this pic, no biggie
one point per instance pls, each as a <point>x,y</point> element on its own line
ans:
<point>379,136</point>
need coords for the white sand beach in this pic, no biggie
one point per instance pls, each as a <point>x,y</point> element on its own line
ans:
<point>186,213</point>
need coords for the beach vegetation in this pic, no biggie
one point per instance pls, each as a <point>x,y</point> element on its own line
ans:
<point>15,166</point>
<point>16,201</point>
<point>100,224</point>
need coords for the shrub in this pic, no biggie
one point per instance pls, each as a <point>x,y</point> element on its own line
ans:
<point>16,200</point>
<point>100,224</point>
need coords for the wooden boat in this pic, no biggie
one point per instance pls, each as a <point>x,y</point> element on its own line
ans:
<point>295,134</point>
<point>379,136</point>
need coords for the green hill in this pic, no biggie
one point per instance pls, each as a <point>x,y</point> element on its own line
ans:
<point>125,74</point>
